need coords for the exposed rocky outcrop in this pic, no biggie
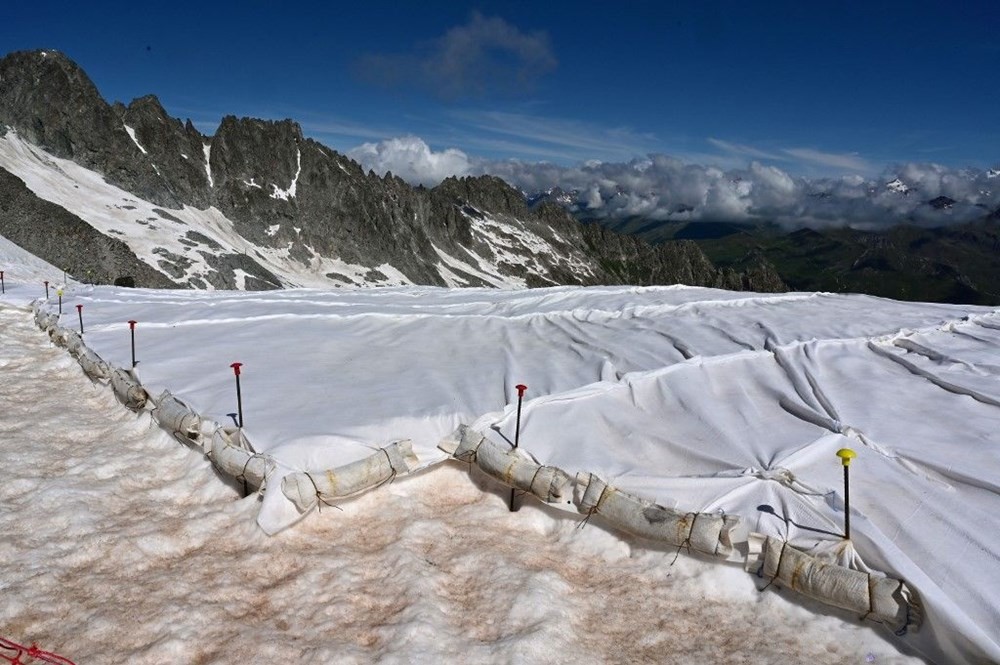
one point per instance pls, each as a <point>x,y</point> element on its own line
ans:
<point>632,261</point>
<point>68,242</point>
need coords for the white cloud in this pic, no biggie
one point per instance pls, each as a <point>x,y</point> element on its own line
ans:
<point>664,187</point>
<point>485,56</point>
<point>745,150</point>
<point>412,159</point>
<point>841,161</point>
<point>543,137</point>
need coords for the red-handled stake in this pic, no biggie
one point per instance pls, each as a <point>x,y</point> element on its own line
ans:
<point>517,434</point>
<point>79,311</point>
<point>46,289</point>
<point>131,327</point>
<point>239,396</point>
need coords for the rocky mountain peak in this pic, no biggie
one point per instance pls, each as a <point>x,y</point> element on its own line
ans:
<point>52,103</point>
<point>485,192</point>
<point>897,186</point>
<point>48,98</point>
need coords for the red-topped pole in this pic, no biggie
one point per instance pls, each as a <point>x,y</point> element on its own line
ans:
<point>79,311</point>
<point>239,396</point>
<point>131,327</point>
<point>46,289</point>
<point>521,388</point>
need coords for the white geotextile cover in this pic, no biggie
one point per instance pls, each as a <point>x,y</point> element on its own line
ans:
<point>717,402</point>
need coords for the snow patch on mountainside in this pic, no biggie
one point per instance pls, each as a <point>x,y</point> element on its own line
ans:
<point>131,132</point>
<point>285,194</point>
<point>449,264</point>
<point>516,248</point>
<point>208,163</point>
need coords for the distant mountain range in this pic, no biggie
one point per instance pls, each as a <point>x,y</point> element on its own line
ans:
<point>128,193</point>
<point>957,264</point>
<point>933,258</point>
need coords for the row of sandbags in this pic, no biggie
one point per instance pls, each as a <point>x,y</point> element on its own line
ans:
<point>872,596</point>
<point>227,447</point>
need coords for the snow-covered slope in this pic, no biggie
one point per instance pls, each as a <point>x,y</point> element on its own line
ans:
<point>22,268</point>
<point>179,243</point>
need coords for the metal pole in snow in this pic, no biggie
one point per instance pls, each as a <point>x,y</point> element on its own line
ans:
<point>3,287</point>
<point>79,311</point>
<point>46,289</point>
<point>517,434</point>
<point>239,395</point>
<point>59,293</point>
<point>131,327</point>
<point>846,455</point>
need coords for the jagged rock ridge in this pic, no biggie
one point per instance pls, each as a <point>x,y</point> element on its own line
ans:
<point>285,210</point>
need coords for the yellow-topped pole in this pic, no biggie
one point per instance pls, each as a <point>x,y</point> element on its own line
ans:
<point>846,455</point>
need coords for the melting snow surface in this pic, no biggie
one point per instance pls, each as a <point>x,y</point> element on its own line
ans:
<point>119,545</point>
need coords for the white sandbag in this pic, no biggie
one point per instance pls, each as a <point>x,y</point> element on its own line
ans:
<point>233,455</point>
<point>177,418</point>
<point>871,596</point>
<point>73,341</point>
<point>127,389</point>
<point>45,320</point>
<point>59,335</point>
<point>708,533</point>
<point>306,490</point>
<point>92,364</point>
<point>511,467</point>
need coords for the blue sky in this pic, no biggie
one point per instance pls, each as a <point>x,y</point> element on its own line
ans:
<point>812,88</point>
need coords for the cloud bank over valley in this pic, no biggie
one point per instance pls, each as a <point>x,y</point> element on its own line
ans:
<point>667,188</point>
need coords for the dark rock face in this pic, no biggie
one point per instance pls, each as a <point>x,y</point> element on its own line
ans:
<point>289,193</point>
<point>66,241</point>
<point>53,103</point>
<point>632,261</point>
<point>941,202</point>
<point>176,150</point>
